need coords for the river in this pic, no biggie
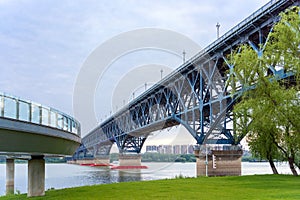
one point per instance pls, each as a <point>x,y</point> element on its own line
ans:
<point>67,175</point>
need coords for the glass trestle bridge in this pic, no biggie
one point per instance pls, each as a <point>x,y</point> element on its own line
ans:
<point>31,131</point>
<point>18,109</point>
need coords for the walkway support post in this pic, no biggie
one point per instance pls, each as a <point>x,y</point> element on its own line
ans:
<point>10,176</point>
<point>36,176</point>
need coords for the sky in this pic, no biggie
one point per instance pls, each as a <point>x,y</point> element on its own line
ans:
<point>44,44</point>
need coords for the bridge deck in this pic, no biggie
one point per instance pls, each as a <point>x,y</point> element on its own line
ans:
<point>28,128</point>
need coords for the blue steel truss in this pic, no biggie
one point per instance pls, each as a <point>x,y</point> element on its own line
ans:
<point>196,95</point>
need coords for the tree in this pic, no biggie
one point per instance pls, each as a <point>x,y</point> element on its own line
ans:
<point>269,108</point>
<point>254,112</point>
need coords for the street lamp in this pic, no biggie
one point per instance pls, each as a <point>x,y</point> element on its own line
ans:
<point>161,72</point>
<point>206,161</point>
<point>218,30</point>
<point>183,56</point>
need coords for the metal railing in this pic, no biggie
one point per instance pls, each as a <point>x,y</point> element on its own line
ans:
<point>265,8</point>
<point>27,111</point>
<point>204,52</point>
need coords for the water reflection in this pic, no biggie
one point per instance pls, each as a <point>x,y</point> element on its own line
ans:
<point>127,176</point>
<point>99,177</point>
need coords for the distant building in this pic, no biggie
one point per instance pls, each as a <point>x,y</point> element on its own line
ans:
<point>191,149</point>
<point>152,148</point>
<point>170,149</point>
<point>183,149</point>
<point>176,149</point>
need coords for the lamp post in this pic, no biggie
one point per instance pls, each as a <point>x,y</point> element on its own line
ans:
<point>218,30</point>
<point>161,73</point>
<point>206,161</point>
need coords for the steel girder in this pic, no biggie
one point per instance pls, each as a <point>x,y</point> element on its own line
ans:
<point>196,95</point>
<point>81,152</point>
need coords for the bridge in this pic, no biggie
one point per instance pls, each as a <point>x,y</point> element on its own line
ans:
<point>196,95</point>
<point>31,131</point>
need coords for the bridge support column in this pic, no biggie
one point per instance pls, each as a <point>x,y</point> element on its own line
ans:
<point>219,163</point>
<point>102,160</point>
<point>130,160</point>
<point>36,176</point>
<point>10,176</point>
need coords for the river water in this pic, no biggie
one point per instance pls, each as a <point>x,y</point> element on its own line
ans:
<point>67,175</point>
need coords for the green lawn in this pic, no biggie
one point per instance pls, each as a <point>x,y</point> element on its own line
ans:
<point>220,188</point>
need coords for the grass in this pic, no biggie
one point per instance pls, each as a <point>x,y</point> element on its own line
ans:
<point>220,188</point>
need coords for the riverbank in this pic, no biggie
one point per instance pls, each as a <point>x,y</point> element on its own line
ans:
<point>241,187</point>
<point>60,176</point>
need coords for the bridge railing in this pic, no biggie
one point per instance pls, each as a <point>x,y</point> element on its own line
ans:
<point>204,52</point>
<point>27,111</point>
<point>268,7</point>
<point>265,8</point>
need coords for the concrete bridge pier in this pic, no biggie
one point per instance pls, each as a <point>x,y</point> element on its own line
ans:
<point>10,176</point>
<point>102,160</point>
<point>36,176</point>
<point>219,162</point>
<point>130,159</point>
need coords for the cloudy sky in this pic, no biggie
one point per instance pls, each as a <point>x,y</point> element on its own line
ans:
<point>43,44</point>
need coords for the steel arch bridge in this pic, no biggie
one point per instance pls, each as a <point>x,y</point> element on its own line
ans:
<point>196,95</point>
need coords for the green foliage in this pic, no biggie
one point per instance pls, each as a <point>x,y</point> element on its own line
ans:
<point>55,160</point>
<point>269,109</point>
<point>249,67</point>
<point>180,176</point>
<point>157,157</point>
<point>284,42</point>
<point>239,187</point>
<point>186,158</point>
